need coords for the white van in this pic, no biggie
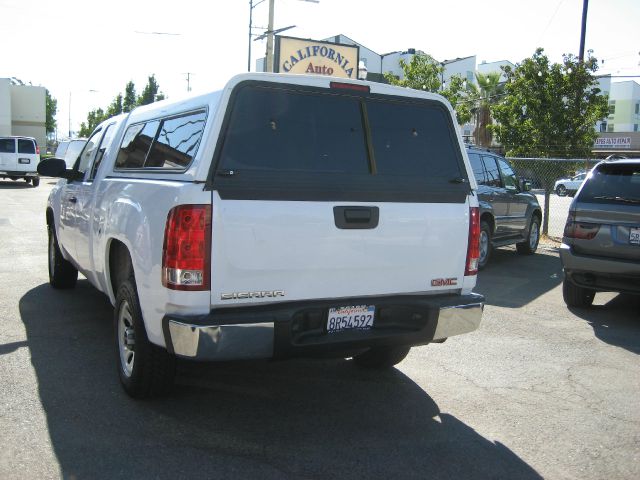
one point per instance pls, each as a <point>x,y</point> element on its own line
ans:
<point>19,158</point>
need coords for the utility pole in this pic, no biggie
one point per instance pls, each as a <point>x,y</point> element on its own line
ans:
<point>250,27</point>
<point>583,33</point>
<point>270,38</point>
<point>69,114</point>
<point>188,74</point>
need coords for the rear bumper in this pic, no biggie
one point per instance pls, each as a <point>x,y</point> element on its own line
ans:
<point>599,273</point>
<point>14,173</point>
<point>299,328</point>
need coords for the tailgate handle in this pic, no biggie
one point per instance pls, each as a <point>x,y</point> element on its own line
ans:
<point>356,217</point>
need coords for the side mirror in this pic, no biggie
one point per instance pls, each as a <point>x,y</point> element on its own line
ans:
<point>56,167</point>
<point>525,185</point>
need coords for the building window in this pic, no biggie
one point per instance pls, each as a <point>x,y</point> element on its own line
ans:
<point>612,109</point>
<point>603,127</point>
<point>610,127</point>
<point>637,108</point>
<point>635,127</point>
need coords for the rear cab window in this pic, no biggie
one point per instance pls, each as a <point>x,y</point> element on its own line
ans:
<point>305,143</point>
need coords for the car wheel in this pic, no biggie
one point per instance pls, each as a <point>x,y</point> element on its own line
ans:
<point>145,370</point>
<point>380,358</point>
<point>530,245</point>
<point>35,181</point>
<point>62,274</point>
<point>575,296</point>
<point>561,190</point>
<point>485,245</point>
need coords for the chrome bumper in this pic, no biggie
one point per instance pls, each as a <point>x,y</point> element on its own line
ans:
<point>222,342</point>
<point>458,320</point>
<point>235,341</point>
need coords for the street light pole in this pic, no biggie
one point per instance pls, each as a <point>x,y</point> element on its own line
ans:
<point>583,32</point>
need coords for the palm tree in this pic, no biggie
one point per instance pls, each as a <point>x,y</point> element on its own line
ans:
<point>487,93</point>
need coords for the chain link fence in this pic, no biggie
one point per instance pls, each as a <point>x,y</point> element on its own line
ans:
<point>554,181</point>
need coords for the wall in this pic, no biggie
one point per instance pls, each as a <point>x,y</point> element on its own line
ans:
<point>5,107</point>
<point>626,96</point>
<point>28,117</point>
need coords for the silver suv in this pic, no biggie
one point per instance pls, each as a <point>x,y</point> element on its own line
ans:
<point>601,246</point>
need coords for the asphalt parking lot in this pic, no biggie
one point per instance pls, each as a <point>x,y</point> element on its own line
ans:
<point>537,391</point>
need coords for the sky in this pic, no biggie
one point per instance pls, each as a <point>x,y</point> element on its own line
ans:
<point>87,51</point>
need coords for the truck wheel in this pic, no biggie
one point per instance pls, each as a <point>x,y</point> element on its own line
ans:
<point>380,358</point>
<point>485,245</point>
<point>575,296</point>
<point>145,370</point>
<point>561,190</point>
<point>35,181</point>
<point>530,245</point>
<point>62,274</point>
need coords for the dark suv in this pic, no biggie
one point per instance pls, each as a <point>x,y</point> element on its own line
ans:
<point>509,213</point>
<point>600,249</point>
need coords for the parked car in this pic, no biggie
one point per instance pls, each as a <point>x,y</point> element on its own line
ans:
<point>509,213</point>
<point>569,186</point>
<point>601,245</point>
<point>69,150</point>
<point>19,158</point>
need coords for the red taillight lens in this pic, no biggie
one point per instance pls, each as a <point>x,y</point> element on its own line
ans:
<point>186,255</point>
<point>37,150</point>
<point>473,248</point>
<point>580,230</point>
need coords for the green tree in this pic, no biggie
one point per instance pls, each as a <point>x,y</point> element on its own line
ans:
<point>116,107</point>
<point>425,73</point>
<point>51,105</point>
<point>150,92</point>
<point>94,118</point>
<point>130,100</point>
<point>484,96</point>
<point>550,111</point>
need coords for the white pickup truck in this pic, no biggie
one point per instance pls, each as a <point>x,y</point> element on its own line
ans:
<point>282,216</point>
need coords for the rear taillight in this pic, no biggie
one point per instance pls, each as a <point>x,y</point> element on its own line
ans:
<point>37,150</point>
<point>473,247</point>
<point>580,230</point>
<point>186,255</point>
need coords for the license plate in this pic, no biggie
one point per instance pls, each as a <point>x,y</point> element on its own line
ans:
<point>359,317</point>
<point>634,236</point>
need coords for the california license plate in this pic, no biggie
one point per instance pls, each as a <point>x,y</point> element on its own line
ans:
<point>634,236</point>
<point>359,317</point>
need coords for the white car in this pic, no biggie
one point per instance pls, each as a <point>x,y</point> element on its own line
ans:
<point>69,150</point>
<point>569,186</point>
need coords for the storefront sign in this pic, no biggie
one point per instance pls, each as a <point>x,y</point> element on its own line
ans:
<point>297,55</point>
<point>613,142</point>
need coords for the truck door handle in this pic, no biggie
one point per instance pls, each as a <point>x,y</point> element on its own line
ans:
<point>356,217</point>
<point>73,199</point>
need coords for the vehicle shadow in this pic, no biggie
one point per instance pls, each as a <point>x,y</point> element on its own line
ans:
<point>294,419</point>
<point>15,185</point>
<point>512,280</point>
<point>617,322</point>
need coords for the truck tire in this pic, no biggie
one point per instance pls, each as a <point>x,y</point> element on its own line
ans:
<point>145,369</point>
<point>530,245</point>
<point>35,181</point>
<point>380,358</point>
<point>575,296</point>
<point>485,245</point>
<point>62,274</point>
<point>561,190</point>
